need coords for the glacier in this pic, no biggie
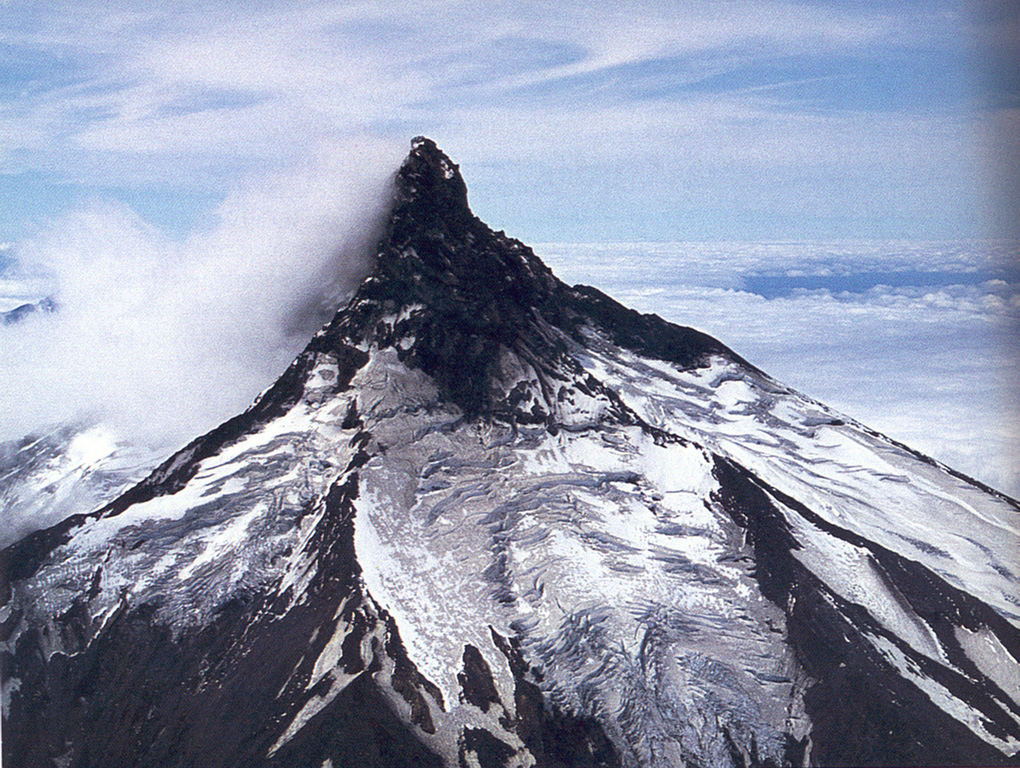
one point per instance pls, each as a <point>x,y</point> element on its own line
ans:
<point>489,519</point>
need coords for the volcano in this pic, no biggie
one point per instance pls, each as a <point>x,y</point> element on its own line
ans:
<point>489,519</point>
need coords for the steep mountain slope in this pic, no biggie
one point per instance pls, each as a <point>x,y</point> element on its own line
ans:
<point>489,519</point>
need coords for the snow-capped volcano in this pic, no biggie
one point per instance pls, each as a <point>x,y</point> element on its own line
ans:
<point>489,519</point>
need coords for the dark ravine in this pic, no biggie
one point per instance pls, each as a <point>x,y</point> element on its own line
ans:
<point>463,444</point>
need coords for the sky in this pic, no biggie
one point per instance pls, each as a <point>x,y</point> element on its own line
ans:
<point>582,121</point>
<point>830,188</point>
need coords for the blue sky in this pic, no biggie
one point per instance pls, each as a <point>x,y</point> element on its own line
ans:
<point>575,121</point>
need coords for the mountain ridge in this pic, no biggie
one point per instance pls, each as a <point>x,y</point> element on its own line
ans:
<point>485,518</point>
<point>452,257</point>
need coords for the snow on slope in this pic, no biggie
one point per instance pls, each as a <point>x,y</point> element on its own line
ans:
<point>486,519</point>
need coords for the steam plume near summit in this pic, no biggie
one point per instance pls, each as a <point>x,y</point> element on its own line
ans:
<point>163,338</point>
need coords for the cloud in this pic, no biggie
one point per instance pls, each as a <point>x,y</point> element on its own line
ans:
<point>128,97</point>
<point>165,338</point>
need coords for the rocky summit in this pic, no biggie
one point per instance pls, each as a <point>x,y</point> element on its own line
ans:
<point>489,519</point>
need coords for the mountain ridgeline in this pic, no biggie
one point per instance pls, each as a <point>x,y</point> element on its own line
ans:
<point>489,519</point>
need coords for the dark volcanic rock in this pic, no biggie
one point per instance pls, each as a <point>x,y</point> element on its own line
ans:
<point>468,294</point>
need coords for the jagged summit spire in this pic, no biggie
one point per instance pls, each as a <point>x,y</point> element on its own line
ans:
<point>473,308</point>
<point>437,253</point>
<point>463,293</point>
<point>430,182</point>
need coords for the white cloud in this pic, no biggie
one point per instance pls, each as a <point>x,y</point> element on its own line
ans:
<point>338,67</point>
<point>166,338</point>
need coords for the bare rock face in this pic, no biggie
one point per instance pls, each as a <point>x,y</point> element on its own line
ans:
<point>488,519</point>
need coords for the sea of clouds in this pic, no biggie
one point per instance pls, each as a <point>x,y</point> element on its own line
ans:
<point>918,340</point>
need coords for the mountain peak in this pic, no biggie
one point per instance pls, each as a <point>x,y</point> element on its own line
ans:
<point>433,232</point>
<point>488,519</point>
<point>448,292</point>
<point>429,178</point>
<point>429,187</point>
<point>472,307</point>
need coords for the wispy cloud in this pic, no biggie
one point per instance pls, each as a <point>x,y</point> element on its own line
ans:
<point>164,339</point>
<point>132,97</point>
